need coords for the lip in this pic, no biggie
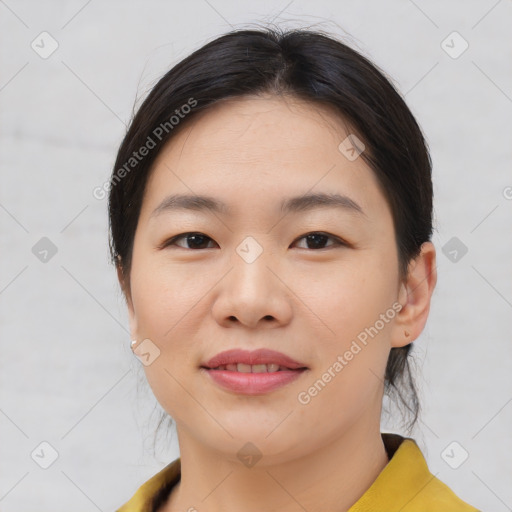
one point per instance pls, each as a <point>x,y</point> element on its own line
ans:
<point>253,383</point>
<point>260,356</point>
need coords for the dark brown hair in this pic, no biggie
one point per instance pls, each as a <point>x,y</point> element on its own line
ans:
<point>311,66</point>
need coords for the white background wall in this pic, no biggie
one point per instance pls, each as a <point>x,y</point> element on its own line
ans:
<point>67,375</point>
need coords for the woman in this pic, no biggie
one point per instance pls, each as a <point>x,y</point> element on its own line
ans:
<point>271,219</point>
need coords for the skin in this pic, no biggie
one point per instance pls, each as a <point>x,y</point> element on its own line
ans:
<point>307,302</point>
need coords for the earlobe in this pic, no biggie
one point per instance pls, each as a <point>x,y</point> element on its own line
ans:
<point>414,296</point>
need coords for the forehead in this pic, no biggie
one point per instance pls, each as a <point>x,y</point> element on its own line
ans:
<point>259,150</point>
<point>272,122</point>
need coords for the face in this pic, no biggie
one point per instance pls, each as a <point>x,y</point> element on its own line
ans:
<point>316,282</point>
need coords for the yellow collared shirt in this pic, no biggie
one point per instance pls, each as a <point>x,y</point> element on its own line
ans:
<point>405,484</point>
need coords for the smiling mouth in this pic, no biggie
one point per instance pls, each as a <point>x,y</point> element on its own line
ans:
<point>254,368</point>
<point>253,379</point>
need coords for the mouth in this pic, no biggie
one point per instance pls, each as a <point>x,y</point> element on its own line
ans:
<point>253,373</point>
<point>255,368</point>
<point>256,361</point>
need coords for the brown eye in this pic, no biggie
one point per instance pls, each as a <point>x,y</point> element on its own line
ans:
<point>194,240</point>
<point>314,240</point>
<point>317,240</point>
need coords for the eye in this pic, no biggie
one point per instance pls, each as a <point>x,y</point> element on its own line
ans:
<point>317,239</point>
<point>195,240</point>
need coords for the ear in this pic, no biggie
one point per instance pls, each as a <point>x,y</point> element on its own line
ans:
<point>129,304</point>
<point>414,296</point>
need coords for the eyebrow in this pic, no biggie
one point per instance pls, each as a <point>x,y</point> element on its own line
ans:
<point>296,204</point>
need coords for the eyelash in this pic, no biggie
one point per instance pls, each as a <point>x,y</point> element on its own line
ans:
<point>172,241</point>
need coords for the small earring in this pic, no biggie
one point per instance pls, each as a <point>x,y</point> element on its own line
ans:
<point>406,334</point>
<point>132,345</point>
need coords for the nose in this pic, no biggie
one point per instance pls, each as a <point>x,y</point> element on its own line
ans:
<point>253,294</point>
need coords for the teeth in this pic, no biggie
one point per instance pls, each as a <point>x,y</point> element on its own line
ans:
<point>258,368</point>
<point>255,368</point>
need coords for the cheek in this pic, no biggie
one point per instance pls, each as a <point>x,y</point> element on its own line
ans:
<point>349,297</point>
<point>167,297</point>
<point>169,309</point>
<point>354,312</point>
<point>354,303</point>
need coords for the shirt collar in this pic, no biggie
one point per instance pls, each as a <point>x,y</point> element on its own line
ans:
<point>405,484</point>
